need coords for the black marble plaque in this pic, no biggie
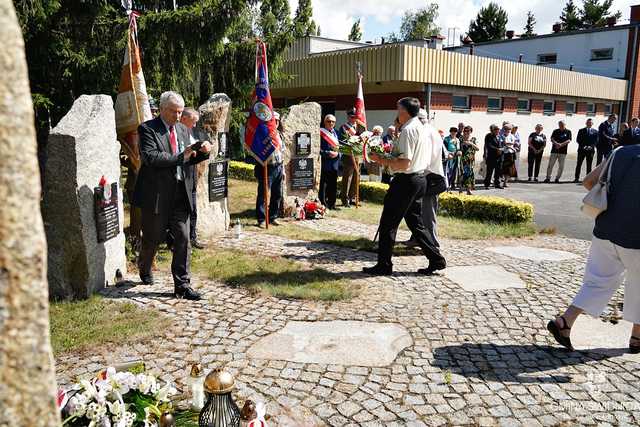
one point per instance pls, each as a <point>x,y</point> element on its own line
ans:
<point>224,150</point>
<point>218,180</point>
<point>302,174</point>
<point>303,143</point>
<point>106,209</point>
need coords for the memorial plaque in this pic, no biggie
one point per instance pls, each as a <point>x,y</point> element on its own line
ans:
<point>218,180</point>
<point>302,174</point>
<point>224,150</point>
<point>303,143</point>
<point>106,208</point>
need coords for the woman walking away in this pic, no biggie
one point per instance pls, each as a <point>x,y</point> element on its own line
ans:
<point>469,148</point>
<point>614,252</point>
<point>537,142</point>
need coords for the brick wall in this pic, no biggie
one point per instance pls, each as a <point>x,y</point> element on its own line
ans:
<point>441,101</point>
<point>479,103</point>
<point>537,105</point>
<point>581,107</point>
<point>509,104</point>
<point>561,107</point>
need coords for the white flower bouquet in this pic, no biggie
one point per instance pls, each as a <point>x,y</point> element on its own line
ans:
<point>115,399</point>
<point>354,144</point>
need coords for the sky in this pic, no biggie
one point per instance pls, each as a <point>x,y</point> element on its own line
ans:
<point>381,17</point>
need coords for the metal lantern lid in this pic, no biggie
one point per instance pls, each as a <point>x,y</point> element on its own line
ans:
<point>219,381</point>
<point>196,370</point>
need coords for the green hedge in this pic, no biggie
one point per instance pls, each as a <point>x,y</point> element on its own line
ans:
<point>483,208</point>
<point>241,170</point>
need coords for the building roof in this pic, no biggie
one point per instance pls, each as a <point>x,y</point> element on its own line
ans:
<point>550,35</point>
<point>414,66</point>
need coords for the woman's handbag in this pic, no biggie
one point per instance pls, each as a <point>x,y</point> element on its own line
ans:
<point>595,202</point>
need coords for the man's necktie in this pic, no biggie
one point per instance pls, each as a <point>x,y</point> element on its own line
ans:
<point>172,139</point>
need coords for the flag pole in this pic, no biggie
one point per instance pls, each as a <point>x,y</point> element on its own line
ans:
<point>356,165</point>
<point>265,185</point>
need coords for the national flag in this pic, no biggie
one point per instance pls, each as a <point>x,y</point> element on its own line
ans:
<point>261,136</point>
<point>360,114</point>
<point>132,103</point>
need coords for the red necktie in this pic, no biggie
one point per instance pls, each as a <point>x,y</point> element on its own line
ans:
<point>172,139</point>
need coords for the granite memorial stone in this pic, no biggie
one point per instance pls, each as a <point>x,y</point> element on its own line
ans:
<point>213,212</point>
<point>302,142</point>
<point>82,154</point>
<point>27,376</point>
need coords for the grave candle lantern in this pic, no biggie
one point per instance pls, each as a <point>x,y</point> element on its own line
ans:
<point>220,409</point>
<point>196,386</point>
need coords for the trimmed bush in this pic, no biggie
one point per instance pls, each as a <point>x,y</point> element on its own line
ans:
<point>483,208</point>
<point>241,170</point>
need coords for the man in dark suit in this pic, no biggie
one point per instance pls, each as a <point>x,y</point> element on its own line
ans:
<point>163,190</point>
<point>493,147</point>
<point>631,136</point>
<point>587,141</point>
<point>606,138</point>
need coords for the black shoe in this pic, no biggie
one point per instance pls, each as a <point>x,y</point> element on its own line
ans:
<point>260,224</point>
<point>187,292</point>
<point>378,270</point>
<point>432,268</point>
<point>547,181</point>
<point>535,179</point>
<point>557,181</point>
<point>195,243</point>
<point>529,179</point>
<point>498,187</point>
<point>147,280</point>
<point>576,181</point>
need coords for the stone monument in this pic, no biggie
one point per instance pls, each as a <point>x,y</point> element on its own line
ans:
<point>213,211</point>
<point>81,150</point>
<point>302,153</point>
<point>27,377</point>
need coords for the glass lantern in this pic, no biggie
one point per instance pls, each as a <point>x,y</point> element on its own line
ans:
<point>196,386</point>
<point>220,409</point>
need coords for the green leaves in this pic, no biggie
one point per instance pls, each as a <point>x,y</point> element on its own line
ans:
<point>490,24</point>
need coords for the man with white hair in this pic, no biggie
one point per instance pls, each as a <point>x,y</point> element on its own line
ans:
<point>329,151</point>
<point>190,118</point>
<point>164,190</point>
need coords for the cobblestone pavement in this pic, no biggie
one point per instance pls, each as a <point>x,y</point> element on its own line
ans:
<point>478,358</point>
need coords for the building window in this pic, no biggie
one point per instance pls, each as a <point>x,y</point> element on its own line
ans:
<point>608,109</point>
<point>547,58</point>
<point>591,108</point>
<point>460,102</point>
<point>570,108</point>
<point>601,54</point>
<point>548,107</point>
<point>494,104</point>
<point>523,105</point>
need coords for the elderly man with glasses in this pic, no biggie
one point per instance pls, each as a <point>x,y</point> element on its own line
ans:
<point>330,162</point>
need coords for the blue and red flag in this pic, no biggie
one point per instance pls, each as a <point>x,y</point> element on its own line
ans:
<point>261,137</point>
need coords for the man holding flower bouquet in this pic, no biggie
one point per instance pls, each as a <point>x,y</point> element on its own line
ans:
<point>409,160</point>
<point>350,160</point>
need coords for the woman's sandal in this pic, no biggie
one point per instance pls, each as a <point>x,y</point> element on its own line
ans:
<point>634,348</point>
<point>556,332</point>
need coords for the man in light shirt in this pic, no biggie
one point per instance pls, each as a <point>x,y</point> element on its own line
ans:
<point>404,197</point>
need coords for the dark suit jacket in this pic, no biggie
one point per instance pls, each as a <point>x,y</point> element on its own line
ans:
<point>492,145</point>
<point>157,177</point>
<point>586,139</point>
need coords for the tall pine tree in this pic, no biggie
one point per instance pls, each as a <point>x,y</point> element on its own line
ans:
<point>303,24</point>
<point>570,17</point>
<point>595,13</point>
<point>490,24</point>
<point>528,27</point>
<point>355,35</point>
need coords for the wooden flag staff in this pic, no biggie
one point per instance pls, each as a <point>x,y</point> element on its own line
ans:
<point>265,185</point>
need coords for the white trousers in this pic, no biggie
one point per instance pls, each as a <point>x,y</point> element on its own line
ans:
<point>607,266</point>
<point>553,157</point>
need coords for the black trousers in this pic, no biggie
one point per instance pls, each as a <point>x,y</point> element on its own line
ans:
<point>154,228</point>
<point>603,153</point>
<point>328,188</point>
<point>275,178</point>
<point>194,214</point>
<point>582,156</point>
<point>494,167</point>
<point>404,201</point>
<point>533,163</point>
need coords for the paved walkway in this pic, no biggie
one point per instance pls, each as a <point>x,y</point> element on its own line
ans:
<point>477,357</point>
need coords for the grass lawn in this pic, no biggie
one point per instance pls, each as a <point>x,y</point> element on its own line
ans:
<point>79,325</point>
<point>272,275</point>
<point>242,206</point>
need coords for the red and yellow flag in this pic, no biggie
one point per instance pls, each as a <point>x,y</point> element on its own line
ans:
<point>132,102</point>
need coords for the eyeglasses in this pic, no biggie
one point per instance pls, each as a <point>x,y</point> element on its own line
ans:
<point>330,121</point>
